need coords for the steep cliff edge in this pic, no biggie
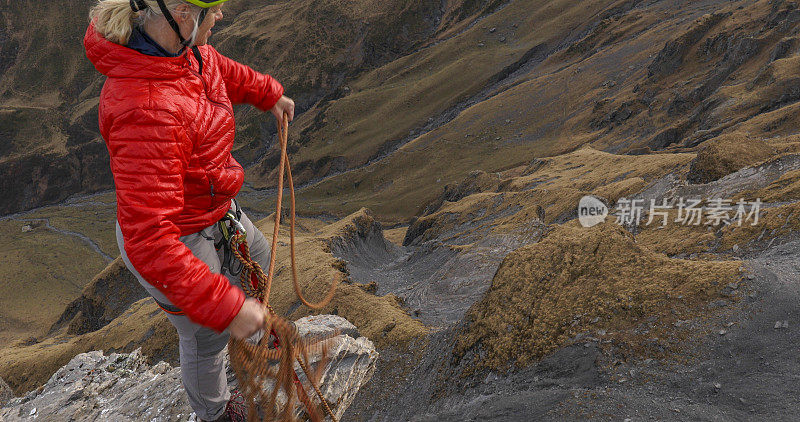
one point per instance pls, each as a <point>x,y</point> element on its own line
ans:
<point>94,386</point>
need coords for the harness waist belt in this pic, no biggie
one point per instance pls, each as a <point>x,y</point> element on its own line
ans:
<point>226,264</point>
<point>170,309</point>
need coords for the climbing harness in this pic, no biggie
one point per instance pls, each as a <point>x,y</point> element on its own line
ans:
<point>254,364</point>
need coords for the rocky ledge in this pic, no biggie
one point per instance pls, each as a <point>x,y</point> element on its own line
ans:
<point>123,387</point>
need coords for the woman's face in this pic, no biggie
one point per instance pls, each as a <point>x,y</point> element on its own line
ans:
<point>204,30</point>
<point>186,22</point>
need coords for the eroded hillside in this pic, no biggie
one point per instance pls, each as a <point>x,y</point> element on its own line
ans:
<point>626,77</point>
<point>442,151</point>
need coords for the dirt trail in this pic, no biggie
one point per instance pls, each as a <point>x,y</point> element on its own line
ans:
<point>75,201</point>
<point>85,239</point>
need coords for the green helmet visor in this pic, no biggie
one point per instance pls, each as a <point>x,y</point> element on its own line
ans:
<point>206,3</point>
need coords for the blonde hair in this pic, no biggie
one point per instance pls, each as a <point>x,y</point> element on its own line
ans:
<point>115,19</point>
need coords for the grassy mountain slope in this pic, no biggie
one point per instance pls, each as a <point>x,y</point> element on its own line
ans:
<point>603,90</point>
<point>109,313</point>
<point>49,90</point>
<point>474,121</point>
<point>42,272</point>
<point>389,106</point>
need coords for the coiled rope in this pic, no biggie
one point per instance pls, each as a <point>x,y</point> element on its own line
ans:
<point>255,364</point>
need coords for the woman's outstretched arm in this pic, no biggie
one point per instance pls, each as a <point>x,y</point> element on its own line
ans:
<point>245,85</point>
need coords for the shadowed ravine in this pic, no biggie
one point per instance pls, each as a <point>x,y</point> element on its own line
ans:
<point>436,282</point>
<point>744,367</point>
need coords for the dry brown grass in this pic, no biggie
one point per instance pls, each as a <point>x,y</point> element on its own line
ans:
<point>777,219</point>
<point>380,318</point>
<point>726,154</point>
<point>407,91</point>
<point>773,223</point>
<point>42,272</point>
<point>675,238</point>
<point>554,184</point>
<point>578,280</point>
<point>396,234</point>
<point>27,366</point>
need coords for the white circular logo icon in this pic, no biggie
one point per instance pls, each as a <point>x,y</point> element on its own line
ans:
<point>591,211</point>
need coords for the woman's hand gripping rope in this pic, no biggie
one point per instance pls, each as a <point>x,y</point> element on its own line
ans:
<point>285,105</point>
<point>251,318</point>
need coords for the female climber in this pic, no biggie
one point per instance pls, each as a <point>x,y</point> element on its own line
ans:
<point>166,117</point>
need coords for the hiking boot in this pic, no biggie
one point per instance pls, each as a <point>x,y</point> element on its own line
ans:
<point>235,410</point>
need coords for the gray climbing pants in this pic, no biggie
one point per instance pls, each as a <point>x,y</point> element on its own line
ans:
<point>202,367</point>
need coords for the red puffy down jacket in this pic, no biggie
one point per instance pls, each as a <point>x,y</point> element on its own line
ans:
<point>169,131</point>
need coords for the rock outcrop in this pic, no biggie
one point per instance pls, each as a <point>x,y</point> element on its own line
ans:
<point>123,387</point>
<point>353,358</point>
<point>106,297</point>
<point>6,393</point>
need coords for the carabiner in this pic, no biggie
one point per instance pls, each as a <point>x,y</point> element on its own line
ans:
<point>238,224</point>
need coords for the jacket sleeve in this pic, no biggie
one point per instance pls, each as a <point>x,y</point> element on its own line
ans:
<point>149,155</point>
<point>245,85</point>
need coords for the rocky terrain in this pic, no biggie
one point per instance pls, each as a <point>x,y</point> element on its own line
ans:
<point>124,387</point>
<point>441,151</point>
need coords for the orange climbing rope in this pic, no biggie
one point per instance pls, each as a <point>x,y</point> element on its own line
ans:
<point>255,364</point>
<point>252,268</point>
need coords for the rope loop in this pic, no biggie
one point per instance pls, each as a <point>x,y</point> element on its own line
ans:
<point>253,363</point>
